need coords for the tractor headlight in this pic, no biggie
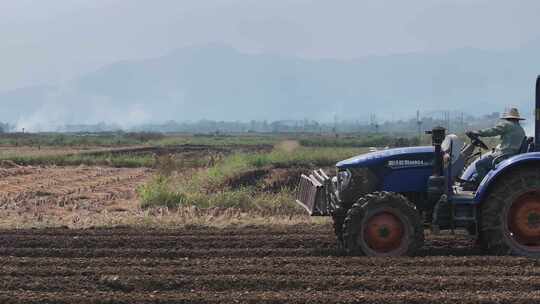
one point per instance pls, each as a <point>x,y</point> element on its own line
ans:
<point>344,178</point>
<point>355,182</point>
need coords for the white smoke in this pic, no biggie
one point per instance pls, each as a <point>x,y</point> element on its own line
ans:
<point>47,117</point>
<point>103,109</point>
<point>64,107</point>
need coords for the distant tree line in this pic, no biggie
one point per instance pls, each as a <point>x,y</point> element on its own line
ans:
<point>455,122</point>
<point>4,127</point>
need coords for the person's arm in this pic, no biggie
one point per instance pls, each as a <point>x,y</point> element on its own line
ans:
<point>499,129</point>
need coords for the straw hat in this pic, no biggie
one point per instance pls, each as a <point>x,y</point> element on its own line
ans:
<point>512,113</point>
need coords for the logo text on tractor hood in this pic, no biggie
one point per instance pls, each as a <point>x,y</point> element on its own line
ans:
<point>405,163</point>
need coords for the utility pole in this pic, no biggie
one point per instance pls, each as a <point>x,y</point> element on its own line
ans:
<point>374,124</point>
<point>335,125</point>
<point>462,123</point>
<point>447,120</point>
<point>419,124</point>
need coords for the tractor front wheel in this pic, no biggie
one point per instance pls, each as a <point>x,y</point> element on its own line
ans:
<point>510,218</point>
<point>382,224</point>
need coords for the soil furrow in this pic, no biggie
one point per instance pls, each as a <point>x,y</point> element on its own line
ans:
<point>264,282</point>
<point>484,262</point>
<point>289,269</point>
<point>215,242</point>
<point>270,297</point>
<point>247,265</point>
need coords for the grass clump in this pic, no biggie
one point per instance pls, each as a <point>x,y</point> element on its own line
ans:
<point>211,188</point>
<point>302,157</point>
<point>368,140</point>
<point>218,140</point>
<point>230,166</point>
<point>164,192</point>
<point>158,193</point>
<point>104,139</point>
<point>120,161</point>
<point>237,199</point>
<point>215,178</point>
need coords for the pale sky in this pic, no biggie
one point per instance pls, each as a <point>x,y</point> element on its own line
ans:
<point>55,40</point>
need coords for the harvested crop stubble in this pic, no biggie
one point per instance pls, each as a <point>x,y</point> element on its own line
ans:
<point>279,264</point>
<point>88,196</point>
<point>65,195</point>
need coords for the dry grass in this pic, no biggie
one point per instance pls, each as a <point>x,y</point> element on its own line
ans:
<point>288,146</point>
<point>155,218</point>
<point>82,197</point>
<point>44,151</point>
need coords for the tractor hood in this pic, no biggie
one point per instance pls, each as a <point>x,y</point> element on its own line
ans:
<point>397,157</point>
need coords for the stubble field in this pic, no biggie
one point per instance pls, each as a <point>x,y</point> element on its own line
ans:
<point>71,196</point>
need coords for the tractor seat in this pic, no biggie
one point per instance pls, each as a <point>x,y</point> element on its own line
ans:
<point>527,145</point>
<point>530,145</point>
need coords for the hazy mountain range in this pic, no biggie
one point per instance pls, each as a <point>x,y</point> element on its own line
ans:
<point>220,83</point>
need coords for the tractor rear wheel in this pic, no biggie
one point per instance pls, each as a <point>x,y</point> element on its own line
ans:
<point>510,216</point>
<point>382,224</point>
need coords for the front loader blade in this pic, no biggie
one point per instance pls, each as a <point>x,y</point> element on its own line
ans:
<point>313,193</point>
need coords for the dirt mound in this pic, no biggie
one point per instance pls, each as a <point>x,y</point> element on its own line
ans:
<point>247,265</point>
<point>268,179</point>
<point>8,164</point>
<point>278,179</point>
<point>246,178</point>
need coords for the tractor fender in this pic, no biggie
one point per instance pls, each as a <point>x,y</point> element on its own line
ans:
<point>508,164</point>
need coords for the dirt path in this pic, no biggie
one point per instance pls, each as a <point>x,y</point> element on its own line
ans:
<point>248,265</point>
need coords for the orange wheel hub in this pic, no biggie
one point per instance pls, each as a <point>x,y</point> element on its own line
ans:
<point>524,219</point>
<point>384,232</point>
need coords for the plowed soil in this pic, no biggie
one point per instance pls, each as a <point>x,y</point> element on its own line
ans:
<point>247,265</point>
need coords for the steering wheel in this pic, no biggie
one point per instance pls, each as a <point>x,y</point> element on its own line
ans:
<point>476,141</point>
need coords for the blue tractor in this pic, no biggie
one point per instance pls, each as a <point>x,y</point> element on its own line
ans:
<point>382,201</point>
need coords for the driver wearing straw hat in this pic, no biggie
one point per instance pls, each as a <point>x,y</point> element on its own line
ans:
<point>511,134</point>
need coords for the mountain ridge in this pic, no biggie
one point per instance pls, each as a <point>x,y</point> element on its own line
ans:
<point>221,83</point>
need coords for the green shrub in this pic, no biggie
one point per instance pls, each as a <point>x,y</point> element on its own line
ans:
<point>240,199</point>
<point>302,157</point>
<point>157,193</point>
<point>208,188</point>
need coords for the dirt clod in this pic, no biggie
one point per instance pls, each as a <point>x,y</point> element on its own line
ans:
<point>8,164</point>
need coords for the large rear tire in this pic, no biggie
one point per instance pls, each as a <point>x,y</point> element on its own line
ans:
<point>383,224</point>
<point>510,216</point>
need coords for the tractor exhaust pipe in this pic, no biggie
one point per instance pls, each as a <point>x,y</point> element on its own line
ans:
<point>537,116</point>
<point>437,138</point>
<point>437,182</point>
